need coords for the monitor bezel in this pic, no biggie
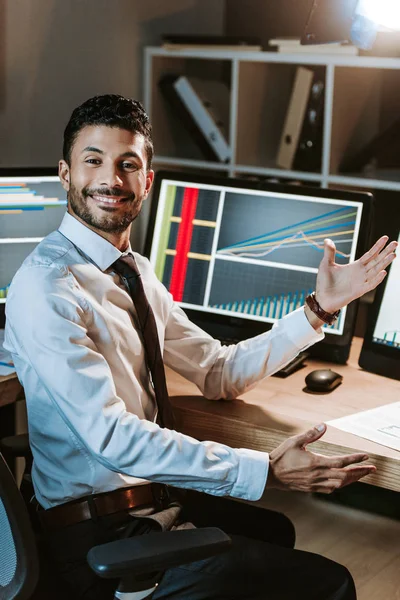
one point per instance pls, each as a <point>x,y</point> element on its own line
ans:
<point>375,357</point>
<point>28,172</point>
<point>333,348</point>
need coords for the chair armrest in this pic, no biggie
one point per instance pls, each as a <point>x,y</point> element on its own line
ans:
<point>16,446</point>
<point>156,551</point>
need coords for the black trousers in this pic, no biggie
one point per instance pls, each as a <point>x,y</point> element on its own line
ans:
<point>261,565</point>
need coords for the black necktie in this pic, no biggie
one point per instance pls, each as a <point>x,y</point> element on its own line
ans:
<point>127,269</point>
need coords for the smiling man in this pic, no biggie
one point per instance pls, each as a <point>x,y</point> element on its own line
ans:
<point>111,178</point>
<point>89,346</point>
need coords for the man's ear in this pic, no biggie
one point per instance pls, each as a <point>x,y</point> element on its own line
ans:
<point>149,181</point>
<point>64,174</point>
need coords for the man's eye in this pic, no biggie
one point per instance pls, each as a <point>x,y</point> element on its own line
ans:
<point>128,166</point>
<point>92,161</point>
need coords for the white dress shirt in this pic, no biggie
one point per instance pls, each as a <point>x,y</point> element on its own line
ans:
<point>71,328</point>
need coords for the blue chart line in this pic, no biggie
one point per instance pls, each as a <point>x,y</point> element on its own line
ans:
<point>6,209</point>
<point>271,307</point>
<point>338,224</point>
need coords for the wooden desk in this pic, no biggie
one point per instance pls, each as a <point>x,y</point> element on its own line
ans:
<point>278,408</point>
<point>10,389</point>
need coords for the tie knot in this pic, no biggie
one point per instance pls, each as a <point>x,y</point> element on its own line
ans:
<point>126,266</point>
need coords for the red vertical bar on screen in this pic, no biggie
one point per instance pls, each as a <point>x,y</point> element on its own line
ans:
<point>184,240</point>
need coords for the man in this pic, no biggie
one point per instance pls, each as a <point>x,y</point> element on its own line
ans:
<point>95,388</point>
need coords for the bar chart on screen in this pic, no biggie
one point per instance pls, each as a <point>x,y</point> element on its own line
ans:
<point>186,237</point>
<point>4,291</point>
<point>31,206</point>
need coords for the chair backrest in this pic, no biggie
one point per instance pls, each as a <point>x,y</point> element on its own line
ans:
<point>19,565</point>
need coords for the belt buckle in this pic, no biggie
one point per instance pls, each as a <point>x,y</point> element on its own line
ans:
<point>161,495</point>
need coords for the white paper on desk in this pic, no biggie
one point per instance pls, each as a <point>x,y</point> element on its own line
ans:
<point>381,425</point>
<point>5,357</point>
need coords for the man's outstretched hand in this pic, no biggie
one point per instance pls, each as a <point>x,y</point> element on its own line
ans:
<point>338,285</point>
<point>293,467</point>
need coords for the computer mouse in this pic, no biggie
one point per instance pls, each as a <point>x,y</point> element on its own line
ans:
<point>323,380</point>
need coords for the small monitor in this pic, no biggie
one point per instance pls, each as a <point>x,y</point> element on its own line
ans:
<point>237,255</point>
<point>381,349</point>
<point>32,204</point>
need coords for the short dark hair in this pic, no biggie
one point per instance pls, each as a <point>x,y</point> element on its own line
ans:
<point>113,111</point>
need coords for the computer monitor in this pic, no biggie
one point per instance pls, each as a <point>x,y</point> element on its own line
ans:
<point>32,204</point>
<point>238,255</point>
<point>381,349</point>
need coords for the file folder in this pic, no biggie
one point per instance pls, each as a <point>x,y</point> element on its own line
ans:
<point>203,107</point>
<point>295,118</point>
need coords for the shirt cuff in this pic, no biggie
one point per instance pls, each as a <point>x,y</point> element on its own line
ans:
<point>299,329</point>
<point>253,473</point>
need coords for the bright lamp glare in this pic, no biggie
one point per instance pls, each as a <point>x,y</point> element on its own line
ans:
<point>382,12</point>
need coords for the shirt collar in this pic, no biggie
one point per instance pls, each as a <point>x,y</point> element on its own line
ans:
<point>95,247</point>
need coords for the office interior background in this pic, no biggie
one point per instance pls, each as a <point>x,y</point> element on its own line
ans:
<point>54,55</point>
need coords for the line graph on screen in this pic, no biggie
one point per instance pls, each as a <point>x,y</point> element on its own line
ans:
<point>338,225</point>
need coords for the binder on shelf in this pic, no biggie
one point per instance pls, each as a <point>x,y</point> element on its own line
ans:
<point>308,156</point>
<point>295,118</point>
<point>203,108</point>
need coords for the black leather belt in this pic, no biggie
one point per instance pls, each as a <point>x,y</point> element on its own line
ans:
<point>100,505</point>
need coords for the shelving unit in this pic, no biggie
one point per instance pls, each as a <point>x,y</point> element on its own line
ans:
<point>361,99</point>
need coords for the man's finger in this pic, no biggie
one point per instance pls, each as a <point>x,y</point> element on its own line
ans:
<point>339,478</point>
<point>329,251</point>
<point>327,487</point>
<point>374,282</point>
<point>376,248</point>
<point>379,258</point>
<point>356,473</point>
<point>380,265</point>
<point>302,439</point>
<point>339,462</point>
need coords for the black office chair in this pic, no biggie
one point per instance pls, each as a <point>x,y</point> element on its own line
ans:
<point>137,562</point>
<point>17,446</point>
<point>19,564</point>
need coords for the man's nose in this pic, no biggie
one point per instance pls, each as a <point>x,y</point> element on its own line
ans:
<point>111,176</point>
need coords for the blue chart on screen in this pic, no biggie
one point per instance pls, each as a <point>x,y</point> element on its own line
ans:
<point>285,235</point>
<point>254,254</point>
<point>273,247</point>
<point>30,207</point>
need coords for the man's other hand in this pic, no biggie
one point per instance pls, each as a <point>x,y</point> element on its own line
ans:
<point>338,285</point>
<point>293,467</point>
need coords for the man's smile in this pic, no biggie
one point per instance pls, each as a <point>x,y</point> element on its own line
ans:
<point>113,200</point>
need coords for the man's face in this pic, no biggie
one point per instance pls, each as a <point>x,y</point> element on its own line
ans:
<point>107,179</point>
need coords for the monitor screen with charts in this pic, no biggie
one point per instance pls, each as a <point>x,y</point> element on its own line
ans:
<point>32,204</point>
<point>381,350</point>
<point>387,327</point>
<point>237,256</point>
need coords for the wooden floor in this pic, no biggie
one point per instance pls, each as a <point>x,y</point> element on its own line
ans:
<point>367,544</point>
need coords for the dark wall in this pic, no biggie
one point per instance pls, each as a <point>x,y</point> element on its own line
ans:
<point>266,19</point>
